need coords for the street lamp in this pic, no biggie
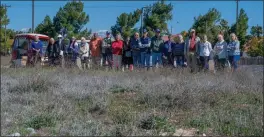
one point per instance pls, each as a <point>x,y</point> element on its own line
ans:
<point>142,20</point>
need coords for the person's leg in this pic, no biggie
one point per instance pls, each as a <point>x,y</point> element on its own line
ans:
<point>202,60</point>
<point>222,64</point>
<point>134,59</point>
<point>159,59</point>
<point>170,59</point>
<point>142,59</point>
<point>180,60</point>
<point>189,59</point>
<point>148,61</point>
<point>206,62</point>
<point>194,62</point>
<point>236,59</point>
<point>114,61</point>
<point>104,59</point>
<point>119,57</point>
<point>231,61</point>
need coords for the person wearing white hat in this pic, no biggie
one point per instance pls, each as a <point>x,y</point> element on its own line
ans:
<point>61,46</point>
<point>191,50</point>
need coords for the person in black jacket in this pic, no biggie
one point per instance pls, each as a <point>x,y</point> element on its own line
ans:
<point>53,51</point>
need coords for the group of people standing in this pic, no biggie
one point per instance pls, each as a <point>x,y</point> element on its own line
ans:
<point>144,52</point>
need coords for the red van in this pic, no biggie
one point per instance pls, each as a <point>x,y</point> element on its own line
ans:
<point>21,47</point>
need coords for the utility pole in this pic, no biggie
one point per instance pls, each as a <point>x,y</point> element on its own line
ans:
<point>236,15</point>
<point>142,21</point>
<point>5,6</point>
<point>33,12</point>
<point>142,10</point>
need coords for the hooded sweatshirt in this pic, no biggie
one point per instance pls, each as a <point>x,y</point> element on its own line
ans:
<point>233,48</point>
<point>205,48</point>
<point>220,49</point>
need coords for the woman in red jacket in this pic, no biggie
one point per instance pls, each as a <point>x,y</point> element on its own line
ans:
<point>117,49</point>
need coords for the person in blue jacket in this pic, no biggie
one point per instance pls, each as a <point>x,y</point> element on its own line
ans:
<point>37,48</point>
<point>145,52</point>
<point>167,51</point>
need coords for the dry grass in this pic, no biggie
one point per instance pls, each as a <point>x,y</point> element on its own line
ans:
<point>96,103</point>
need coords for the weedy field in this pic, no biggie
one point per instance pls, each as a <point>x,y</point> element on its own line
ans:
<point>99,103</point>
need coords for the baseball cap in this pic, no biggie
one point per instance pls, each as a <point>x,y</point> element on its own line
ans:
<point>192,30</point>
<point>157,30</point>
<point>107,33</point>
<point>144,31</point>
<point>59,36</point>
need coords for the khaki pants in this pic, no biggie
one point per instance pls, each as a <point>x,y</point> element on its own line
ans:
<point>117,61</point>
<point>192,61</point>
<point>96,61</point>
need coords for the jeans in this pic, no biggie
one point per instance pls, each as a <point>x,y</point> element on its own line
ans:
<point>136,59</point>
<point>192,61</point>
<point>146,59</point>
<point>204,62</point>
<point>156,58</point>
<point>219,63</point>
<point>178,61</point>
<point>107,57</point>
<point>233,62</point>
<point>117,61</point>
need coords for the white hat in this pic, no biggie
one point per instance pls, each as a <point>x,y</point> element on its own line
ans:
<point>59,36</point>
<point>192,30</point>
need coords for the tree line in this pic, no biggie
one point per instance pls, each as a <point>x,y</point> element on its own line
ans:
<point>72,17</point>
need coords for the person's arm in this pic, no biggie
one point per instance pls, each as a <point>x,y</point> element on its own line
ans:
<point>210,47</point>
<point>149,42</point>
<point>185,47</point>
<point>40,48</point>
<point>237,46</point>
<point>225,49</point>
<point>139,44</point>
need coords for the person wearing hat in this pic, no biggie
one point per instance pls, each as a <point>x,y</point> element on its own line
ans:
<point>106,50</point>
<point>145,52</point>
<point>95,48</point>
<point>61,46</point>
<point>156,46</point>
<point>135,46</point>
<point>191,50</point>
<point>84,53</point>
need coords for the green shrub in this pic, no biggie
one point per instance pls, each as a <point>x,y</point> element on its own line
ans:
<point>40,121</point>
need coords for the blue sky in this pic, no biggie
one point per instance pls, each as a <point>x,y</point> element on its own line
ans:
<point>103,14</point>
